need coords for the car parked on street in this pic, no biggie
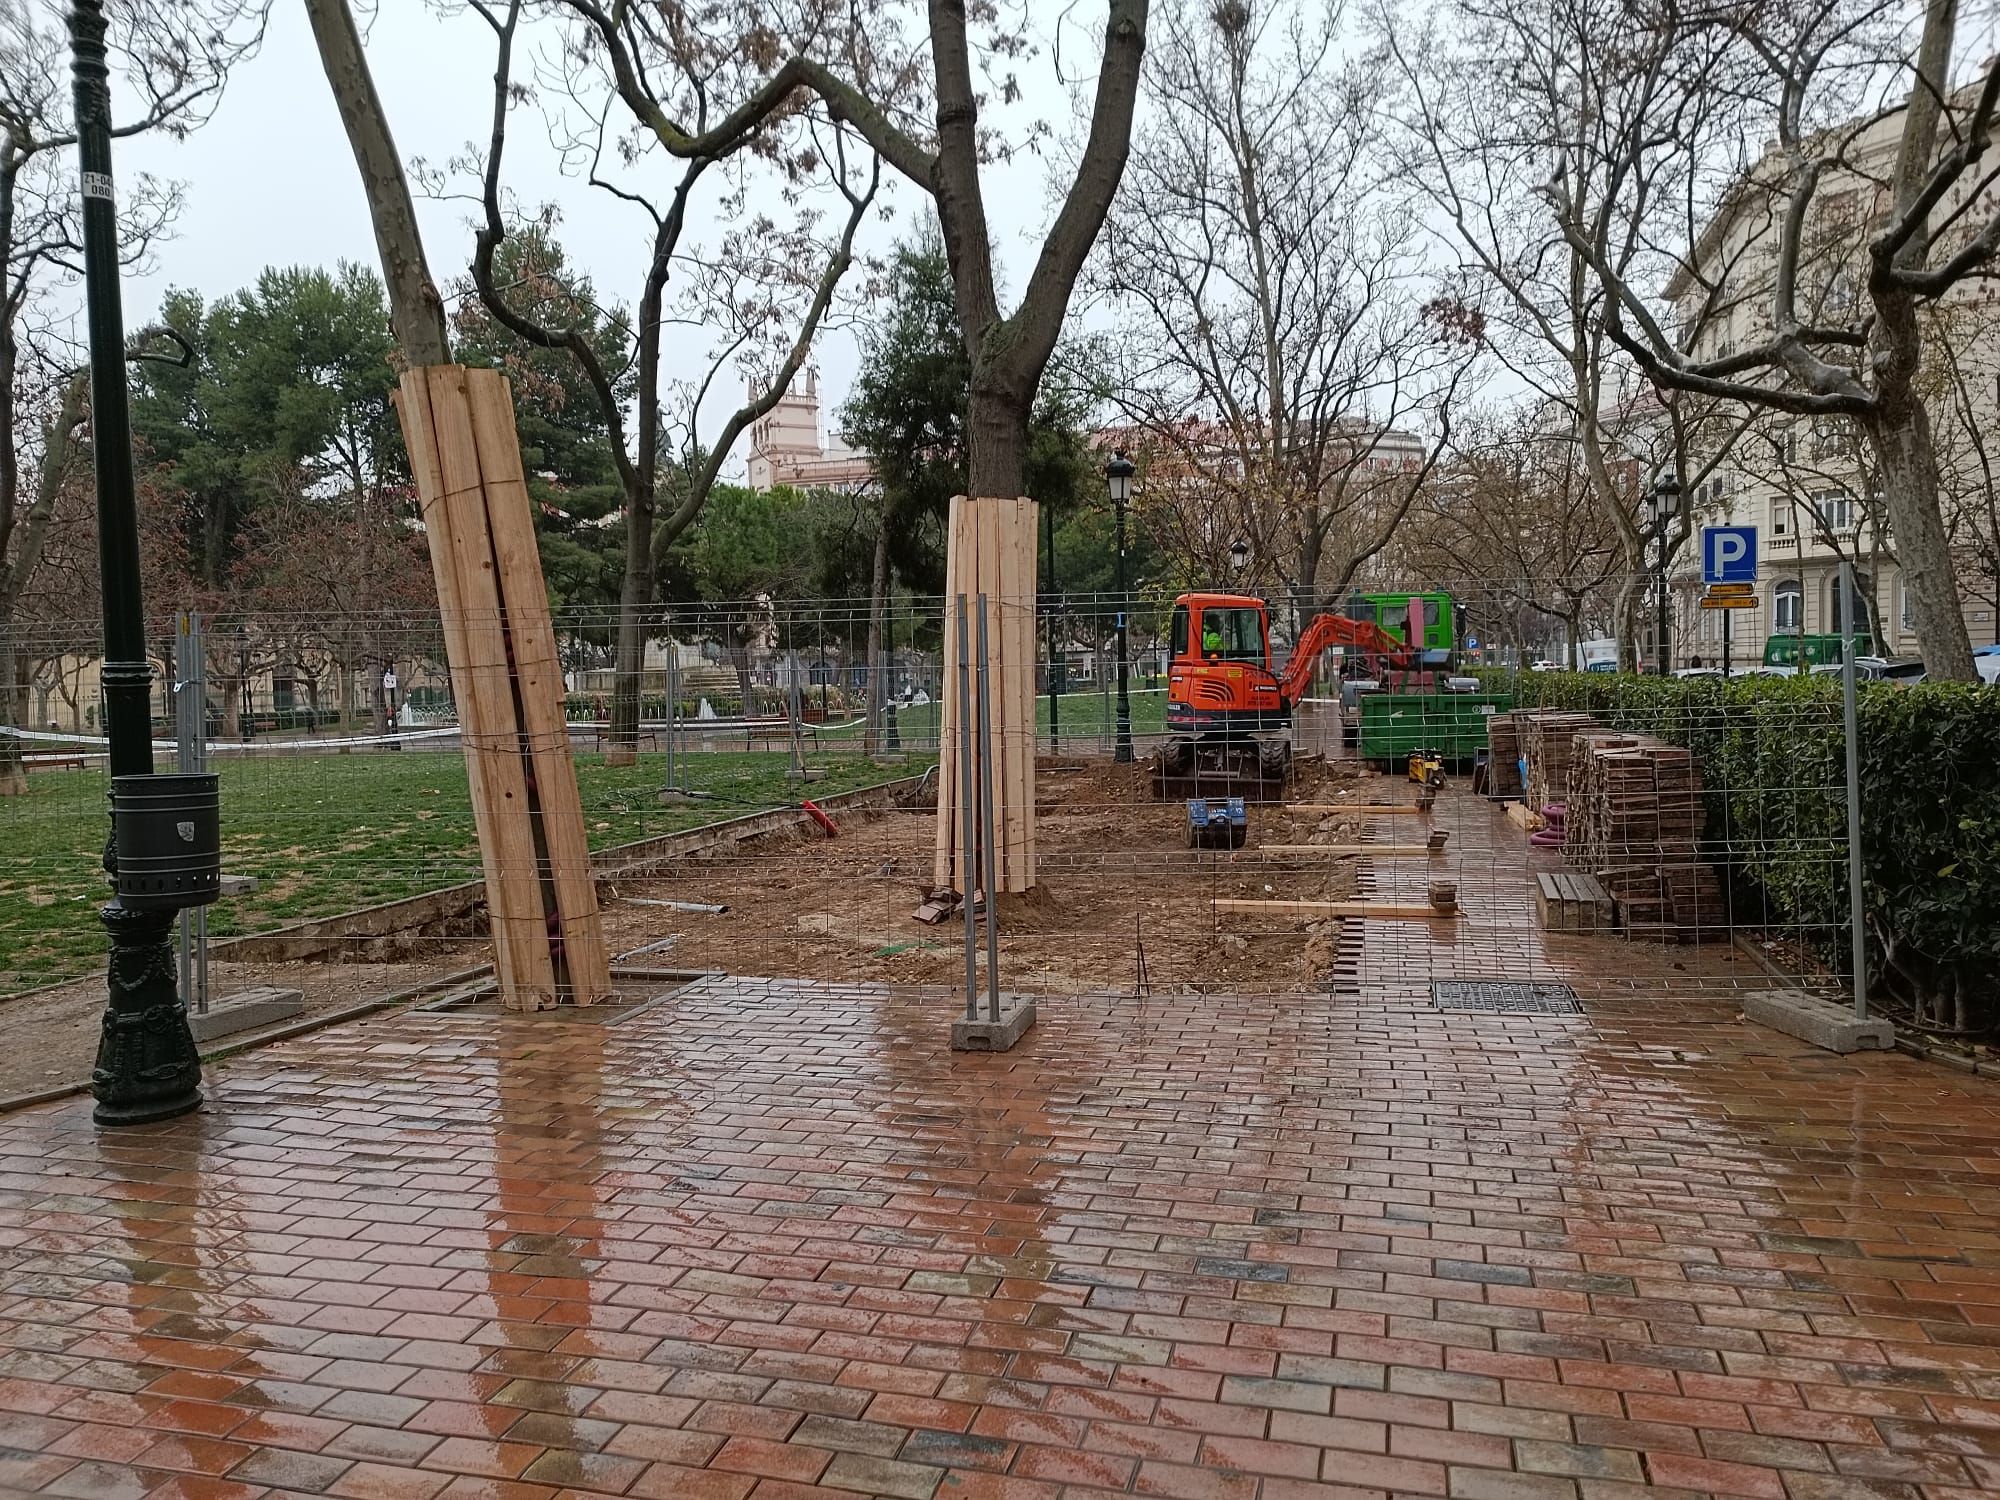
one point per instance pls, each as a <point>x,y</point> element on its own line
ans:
<point>1898,669</point>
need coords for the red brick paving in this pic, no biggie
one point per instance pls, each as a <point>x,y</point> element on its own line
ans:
<point>767,1241</point>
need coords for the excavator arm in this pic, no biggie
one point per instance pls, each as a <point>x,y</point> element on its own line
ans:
<point>1338,630</point>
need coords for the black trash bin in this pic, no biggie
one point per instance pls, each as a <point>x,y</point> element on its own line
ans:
<point>169,831</point>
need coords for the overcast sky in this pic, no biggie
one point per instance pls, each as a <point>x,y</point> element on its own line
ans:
<point>271,181</point>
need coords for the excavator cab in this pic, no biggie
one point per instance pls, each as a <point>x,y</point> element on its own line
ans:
<point>1219,682</point>
<point>1229,715</point>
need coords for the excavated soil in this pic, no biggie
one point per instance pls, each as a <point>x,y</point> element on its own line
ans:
<point>1121,902</point>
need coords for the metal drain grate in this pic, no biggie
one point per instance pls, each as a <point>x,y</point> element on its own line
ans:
<point>1505,997</point>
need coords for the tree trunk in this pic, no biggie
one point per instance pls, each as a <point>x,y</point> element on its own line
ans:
<point>1900,432</point>
<point>416,311</point>
<point>878,608</point>
<point>13,770</point>
<point>628,677</point>
<point>996,423</point>
<point>1626,615</point>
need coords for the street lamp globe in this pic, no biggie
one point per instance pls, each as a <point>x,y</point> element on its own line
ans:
<point>1663,500</point>
<point>1118,476</point>
<point>1239,556</point>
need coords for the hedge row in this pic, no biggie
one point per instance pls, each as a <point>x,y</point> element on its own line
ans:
<point>1771,752</point>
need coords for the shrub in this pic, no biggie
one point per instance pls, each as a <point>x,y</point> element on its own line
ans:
<point>1771,753</point>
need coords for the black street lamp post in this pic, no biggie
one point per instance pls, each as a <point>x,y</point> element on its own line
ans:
<point>1118,475</point>
<point>147,1066</point>
<point>1665,505</point>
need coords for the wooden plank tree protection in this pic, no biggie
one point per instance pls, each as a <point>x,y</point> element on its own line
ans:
<point>990,550</point>
<point>548,943</point>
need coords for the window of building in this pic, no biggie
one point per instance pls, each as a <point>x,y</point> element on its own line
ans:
<point>1781,516</point>
<point>1831,437</point>
<point>1788,602</point>
<point>1908,610</point>
<point>1834,509</point>
<point>1864,594</point>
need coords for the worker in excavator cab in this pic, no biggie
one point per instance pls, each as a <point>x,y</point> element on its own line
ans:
<point>1211,638</point>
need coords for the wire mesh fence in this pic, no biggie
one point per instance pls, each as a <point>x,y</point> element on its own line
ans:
<point>1434,820</point>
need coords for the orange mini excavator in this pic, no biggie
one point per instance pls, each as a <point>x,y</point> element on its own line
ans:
<point>1229,716</point>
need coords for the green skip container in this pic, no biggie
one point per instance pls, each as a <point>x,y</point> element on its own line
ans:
<point>1395,726</point>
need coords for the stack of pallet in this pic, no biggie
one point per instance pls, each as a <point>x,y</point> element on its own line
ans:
<point>1546,736</point>
<point>990,553</point>
<point>1635,822</point>
<point>541,897</point>
<point>1503,760</point>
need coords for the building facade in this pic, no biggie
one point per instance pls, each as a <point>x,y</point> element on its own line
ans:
<point>1806,484</point>
<point>789,445</point>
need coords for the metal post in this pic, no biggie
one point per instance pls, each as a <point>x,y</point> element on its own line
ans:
<point>147,1068</point>
<point>1727,616</point>
<point>891,741</point>
<point>190,711</point>
<point>1055,649</point>
<point>987,821</point>
<point>673,713</point>
<point>966,869</point>
<point>1850,721</point>
<point>1123,751</point>
<point>792,706</point>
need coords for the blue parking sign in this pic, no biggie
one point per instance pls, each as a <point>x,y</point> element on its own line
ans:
<point>1729,554</point>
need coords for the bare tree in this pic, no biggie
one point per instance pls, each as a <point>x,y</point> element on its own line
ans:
<point>1285,334</point>
<point>1514,114</point>
<point>1963,339</point>
<point>759,298</point>
<point>1909,185</point>
<point>172,62</point>
<point>1512,528</point>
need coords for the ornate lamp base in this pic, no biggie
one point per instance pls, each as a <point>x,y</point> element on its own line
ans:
<point>147,1065</point>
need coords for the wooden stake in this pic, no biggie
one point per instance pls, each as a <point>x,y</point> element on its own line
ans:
<point>455,518</point>
<point>1381,910</point>
<point>1379,851</point>
<point>1321,809</point>
<point>538,687</point>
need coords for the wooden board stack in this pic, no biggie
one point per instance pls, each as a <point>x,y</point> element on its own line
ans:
<point>1545,740</point>
<point>541,898</point>
<point>1503,760</point>
<point>1636,821</point>
<point>990,550</point>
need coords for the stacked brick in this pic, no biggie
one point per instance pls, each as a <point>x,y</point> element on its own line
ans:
<point>1635,822</point>
<point>1503,769</point>
<point>1546,736</point>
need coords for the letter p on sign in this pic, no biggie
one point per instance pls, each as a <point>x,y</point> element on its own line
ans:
<point>1729,554</point>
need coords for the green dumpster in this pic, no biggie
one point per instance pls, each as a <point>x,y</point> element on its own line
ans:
<point>1396,725</point>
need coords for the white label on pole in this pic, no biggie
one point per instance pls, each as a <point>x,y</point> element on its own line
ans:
<point>389,681</point>
<point>98,185</point>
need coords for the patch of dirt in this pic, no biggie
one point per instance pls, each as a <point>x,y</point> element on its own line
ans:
<point>1116,881</point>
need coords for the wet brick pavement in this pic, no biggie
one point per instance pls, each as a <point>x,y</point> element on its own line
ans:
<point>770,1241</point>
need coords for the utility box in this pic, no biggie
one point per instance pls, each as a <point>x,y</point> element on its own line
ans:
<point>168,828</point>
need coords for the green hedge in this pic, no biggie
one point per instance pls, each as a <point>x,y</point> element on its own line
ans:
<point>1771,757</point>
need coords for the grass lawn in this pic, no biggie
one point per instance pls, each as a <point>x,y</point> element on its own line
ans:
<point>325,833</point>
<point>1090,716</point>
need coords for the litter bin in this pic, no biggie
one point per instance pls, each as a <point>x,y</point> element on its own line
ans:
<point>169,832</point>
